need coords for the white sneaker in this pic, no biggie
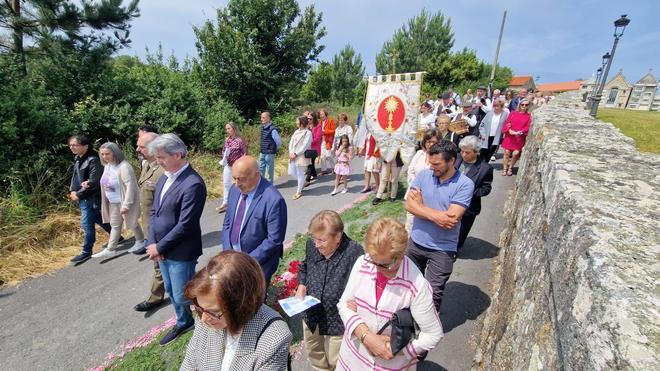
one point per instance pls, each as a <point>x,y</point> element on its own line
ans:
<point>334,192</point>
<point>105,253</point>
<point>344,190</point>
<point>137,246</point>
<point>492,158</point>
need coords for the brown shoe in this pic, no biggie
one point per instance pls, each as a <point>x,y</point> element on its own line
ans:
<point>297,196</point>
<point>221,208</point>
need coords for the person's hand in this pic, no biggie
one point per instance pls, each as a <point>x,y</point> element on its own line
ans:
<point>445,220</point>
<point>73,196</point>
<point>379,346</point>
<point>292,156</point>
<point>152,253</point>
<point>85,184</point>
<point>416,196</point>
<point>123,211</point>
<point>301,292</point>
<point>352,305</point>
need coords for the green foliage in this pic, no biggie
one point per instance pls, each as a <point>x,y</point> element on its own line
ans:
<point>318,87</point>
<point>215,120</point>
<point>416,44</point>
<point>155,357</point>
<point>54,25</point>
<point>462,70</point>
<point>257,52</point>
<point>347,72</point>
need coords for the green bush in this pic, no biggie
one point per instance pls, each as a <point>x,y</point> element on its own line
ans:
<point>214,123</point>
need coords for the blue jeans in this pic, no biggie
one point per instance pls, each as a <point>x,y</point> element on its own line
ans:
<point>267,160</point>
<point>176,275</point>
<point>90,214</point>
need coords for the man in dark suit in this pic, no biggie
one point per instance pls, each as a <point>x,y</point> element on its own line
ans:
<point>175,235</point>
<point>481,174</point>
<point>255,222</point>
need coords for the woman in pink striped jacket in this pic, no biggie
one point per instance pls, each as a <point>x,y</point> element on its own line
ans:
<point>383,281</point>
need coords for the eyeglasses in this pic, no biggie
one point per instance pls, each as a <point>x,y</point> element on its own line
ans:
<point>524,104</point>
<point>388,267</point>
<point>200,310</point>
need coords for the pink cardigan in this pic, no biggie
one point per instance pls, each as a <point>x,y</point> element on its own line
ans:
<point>408,289</point>
<point>317,135</point>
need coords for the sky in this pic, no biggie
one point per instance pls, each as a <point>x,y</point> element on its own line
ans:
<point>552,40</point>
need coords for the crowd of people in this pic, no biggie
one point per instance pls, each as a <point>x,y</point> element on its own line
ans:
<point>399,270</point>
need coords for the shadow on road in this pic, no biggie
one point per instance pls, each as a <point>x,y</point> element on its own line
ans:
<point>212,238</point>
<point>429,366</point>
<point>476,249</point>
<point>461,303</point>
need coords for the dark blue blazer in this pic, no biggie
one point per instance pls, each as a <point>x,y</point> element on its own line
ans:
<point>174,223</point>
<point>262,235</point>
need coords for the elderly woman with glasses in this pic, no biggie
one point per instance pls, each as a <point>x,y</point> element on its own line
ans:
<point>120,199</point>
<point>515,131</point>
<point>383,281</point>
<point>234,330</point>
<point>330,255</point>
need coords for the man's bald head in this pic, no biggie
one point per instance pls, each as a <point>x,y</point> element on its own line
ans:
<point>143,141</point>
<point>245,172</point>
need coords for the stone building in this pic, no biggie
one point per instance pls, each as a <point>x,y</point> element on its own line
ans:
<point>645,94</point>
<point>616,92</point>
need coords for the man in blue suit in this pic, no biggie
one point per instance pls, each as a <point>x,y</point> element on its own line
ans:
<point>175,235</point>
<point>255,221</point>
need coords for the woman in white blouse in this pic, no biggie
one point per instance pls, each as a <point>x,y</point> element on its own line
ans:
<point>300,141</point>
<point>120,199</point>
<point>383,281</point>
<point>343,128</point>
<point>418,163</point>
<point>490,130</point>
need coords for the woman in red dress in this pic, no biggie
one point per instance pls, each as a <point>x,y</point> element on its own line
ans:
<point>515,130</point>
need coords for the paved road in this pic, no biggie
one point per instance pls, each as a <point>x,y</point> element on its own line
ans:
<point>73,318</point>
<point>468,291</point>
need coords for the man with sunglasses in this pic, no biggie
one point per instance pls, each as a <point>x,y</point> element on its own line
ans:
<point>438,198</point>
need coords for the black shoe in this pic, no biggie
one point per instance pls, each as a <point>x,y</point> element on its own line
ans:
<point>146,306</point>
<point>376,201</point>
<point>392,199</point>
<point>81,257</point>
<point>366,190</point>
<point>174,333</point>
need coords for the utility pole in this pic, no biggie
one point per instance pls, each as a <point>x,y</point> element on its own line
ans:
<point>497,54</point>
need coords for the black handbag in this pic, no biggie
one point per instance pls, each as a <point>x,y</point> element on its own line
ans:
<point>311,153</point>
<point>403,329</point>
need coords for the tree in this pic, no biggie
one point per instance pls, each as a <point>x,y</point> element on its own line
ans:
<point>453,69</point>
<point>63,22</point>
<point>347,72</point>
<point>416,44</point>
<point>257,51</point>
<point>318,87</point>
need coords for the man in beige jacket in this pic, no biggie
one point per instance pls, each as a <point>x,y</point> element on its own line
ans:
<point>149,176</point>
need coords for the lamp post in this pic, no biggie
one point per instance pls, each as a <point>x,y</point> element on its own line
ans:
<point>619,27</point>
<point>599,74</point>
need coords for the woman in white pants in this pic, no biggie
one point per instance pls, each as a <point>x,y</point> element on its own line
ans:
<point>120,199</point>
<point>233,149</point>
<point>301,141</point>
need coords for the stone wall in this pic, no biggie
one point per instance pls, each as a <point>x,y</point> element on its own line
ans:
<point>576,287</point>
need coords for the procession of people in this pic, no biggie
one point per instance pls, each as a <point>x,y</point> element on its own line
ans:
<point>400,268</point>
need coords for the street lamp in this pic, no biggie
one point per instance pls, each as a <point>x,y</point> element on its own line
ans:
<point>619,27</point>
<point>599,74</point>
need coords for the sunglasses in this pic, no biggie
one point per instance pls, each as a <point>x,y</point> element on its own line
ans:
<point>524,104</point>
<point>200,311</point>
<point>379,265</point>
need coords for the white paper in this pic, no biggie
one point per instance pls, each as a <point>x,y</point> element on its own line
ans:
<point>293,305</point>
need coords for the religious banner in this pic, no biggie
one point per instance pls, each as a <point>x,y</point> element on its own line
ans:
<point>391,112</point>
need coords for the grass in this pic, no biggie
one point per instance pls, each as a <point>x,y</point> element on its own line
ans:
<point>356,220</point>
<point>642,126</point>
